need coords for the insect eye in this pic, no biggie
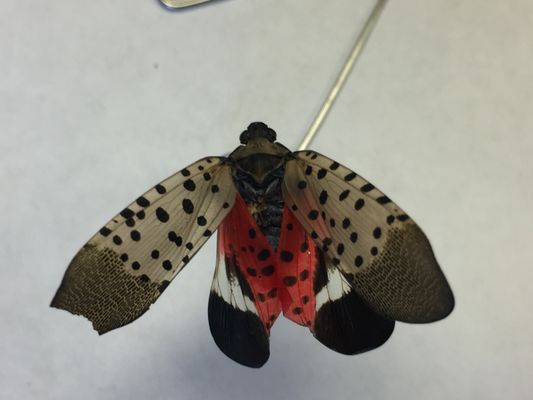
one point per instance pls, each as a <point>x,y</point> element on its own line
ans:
<point>245,136</point>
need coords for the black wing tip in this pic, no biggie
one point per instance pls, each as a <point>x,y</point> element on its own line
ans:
<point>240,335</point>
<point>348,326</point>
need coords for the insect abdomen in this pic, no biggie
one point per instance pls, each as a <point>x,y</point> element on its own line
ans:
<point>264,201</point>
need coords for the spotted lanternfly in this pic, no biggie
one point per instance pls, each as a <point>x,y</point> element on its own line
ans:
<point>298,233</point>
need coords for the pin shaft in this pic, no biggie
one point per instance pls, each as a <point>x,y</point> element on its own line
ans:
<point>344,73</point>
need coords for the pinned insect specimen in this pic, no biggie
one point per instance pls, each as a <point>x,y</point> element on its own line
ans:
<point>298,234</point>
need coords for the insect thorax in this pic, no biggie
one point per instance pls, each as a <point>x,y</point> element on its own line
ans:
<point>258,179</point>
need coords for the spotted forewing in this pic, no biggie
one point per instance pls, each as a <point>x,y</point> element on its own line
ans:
<point>124,267</point>
<point>299,234</point>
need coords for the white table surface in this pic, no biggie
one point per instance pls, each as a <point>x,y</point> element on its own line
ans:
<point>100,100</point>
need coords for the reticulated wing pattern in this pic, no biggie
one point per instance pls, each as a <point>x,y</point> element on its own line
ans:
<point>124,267</point>
<point>382,253</point>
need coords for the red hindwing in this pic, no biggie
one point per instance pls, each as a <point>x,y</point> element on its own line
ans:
<point>280,279</point>
<point>241,239</point>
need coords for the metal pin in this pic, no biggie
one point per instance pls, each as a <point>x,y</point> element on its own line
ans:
<point>343,75</point>
<point>181,3</point>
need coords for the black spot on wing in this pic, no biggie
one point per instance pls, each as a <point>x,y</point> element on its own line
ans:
<point>348,326</point>
<point>320,279</point>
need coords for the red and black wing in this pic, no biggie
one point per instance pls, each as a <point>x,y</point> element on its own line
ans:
<point>244,301</point>
<point>316,294</point>
<point>383,255</point>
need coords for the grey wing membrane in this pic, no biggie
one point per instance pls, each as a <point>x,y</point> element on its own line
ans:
<point>383,254</point>
<point>125,267</point>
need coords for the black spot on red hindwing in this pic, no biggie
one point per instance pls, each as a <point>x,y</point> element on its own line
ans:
<point>286,256</point>
<point>304,275</point>
<point>289,280</point>
<point>268,270</point>
<point>272,293</point>
<point>263,254</point>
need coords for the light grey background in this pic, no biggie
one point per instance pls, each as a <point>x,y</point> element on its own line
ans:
<point>100,100</point>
